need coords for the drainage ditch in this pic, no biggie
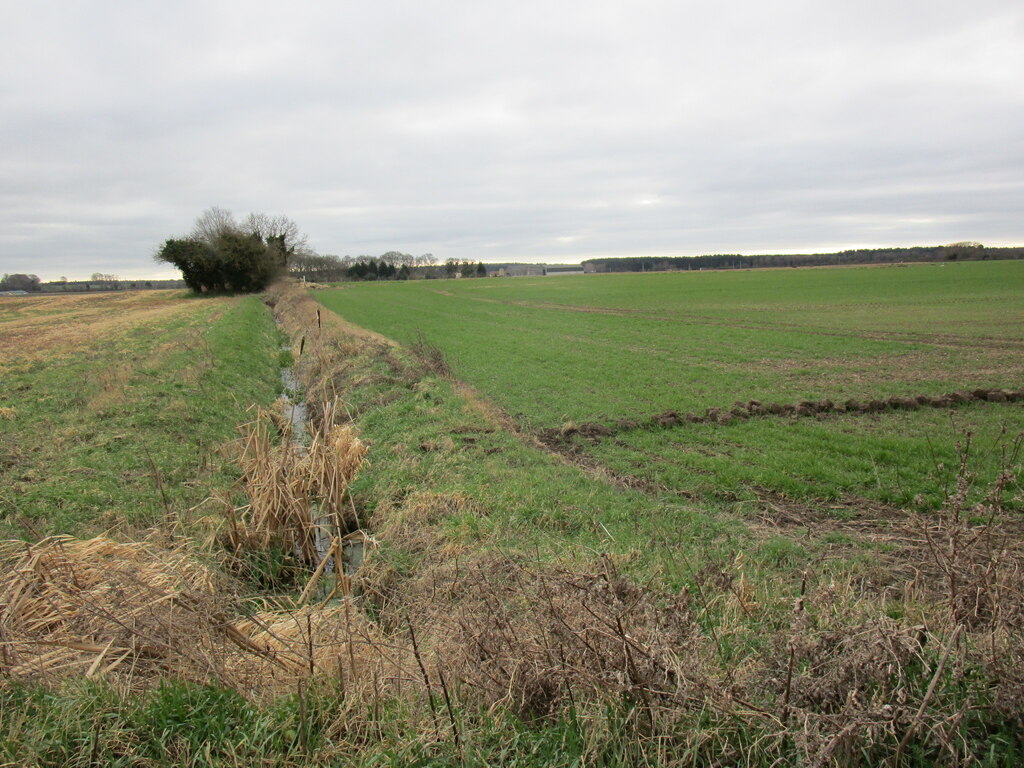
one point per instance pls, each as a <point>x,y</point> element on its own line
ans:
<point>353,544</point>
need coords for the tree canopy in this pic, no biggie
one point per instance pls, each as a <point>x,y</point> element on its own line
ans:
<point>19,282</point>
<point>221,255</point>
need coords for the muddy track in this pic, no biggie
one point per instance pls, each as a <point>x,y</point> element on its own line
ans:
<point>559,438</point>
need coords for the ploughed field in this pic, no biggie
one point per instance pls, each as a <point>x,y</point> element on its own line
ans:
<point>817,383</point>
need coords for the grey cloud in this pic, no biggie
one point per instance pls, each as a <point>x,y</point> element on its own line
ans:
<point>502,131</point>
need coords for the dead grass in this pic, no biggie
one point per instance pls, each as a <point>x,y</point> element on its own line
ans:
<point>137,612</point>
<point>296,493</point>
<point>98,606</point>
<point>110,388</point>
<point>50,327</point>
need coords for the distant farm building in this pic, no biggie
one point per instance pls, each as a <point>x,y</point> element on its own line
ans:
<point>533,270</point>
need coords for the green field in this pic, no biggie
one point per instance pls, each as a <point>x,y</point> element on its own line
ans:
<point>551,351</point>
<point>550,576</point>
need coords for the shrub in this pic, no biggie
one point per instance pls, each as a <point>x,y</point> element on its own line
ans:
<point>221,256</point>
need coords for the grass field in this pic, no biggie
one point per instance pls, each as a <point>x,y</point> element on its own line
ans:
<point>120,405</point>
<point>606,348</point>
<point>551,578</point>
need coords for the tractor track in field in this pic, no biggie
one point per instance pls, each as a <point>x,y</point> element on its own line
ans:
<point>569,435</point>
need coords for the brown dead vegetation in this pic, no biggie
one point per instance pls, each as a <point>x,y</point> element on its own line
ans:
<point>837,671</point>
<point>138,612</point>
<point>296,493</point>
<point>46,327</point>
<point>887,550</point>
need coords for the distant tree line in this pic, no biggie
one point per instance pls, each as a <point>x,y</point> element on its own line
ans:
<point>20,282</point>
<point>392,265</point>
<point>117,284</point>
<point>964,251</point>
<point>98,282</point>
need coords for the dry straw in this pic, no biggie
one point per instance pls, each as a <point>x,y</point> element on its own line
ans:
<point>98,606</point>
<point>138,612</point>
<point>297,495</point>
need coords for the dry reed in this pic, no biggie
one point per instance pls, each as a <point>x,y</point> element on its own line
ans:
<point>297,494</point>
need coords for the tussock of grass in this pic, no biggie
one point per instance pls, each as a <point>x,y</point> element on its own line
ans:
<point>141,612</point>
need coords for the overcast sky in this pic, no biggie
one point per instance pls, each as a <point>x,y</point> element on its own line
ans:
<point>509,131</point>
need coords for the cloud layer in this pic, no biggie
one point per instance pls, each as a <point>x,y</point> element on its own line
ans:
<point>503,131</point>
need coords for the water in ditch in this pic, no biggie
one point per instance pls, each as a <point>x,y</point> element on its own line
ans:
<point>296,413</point>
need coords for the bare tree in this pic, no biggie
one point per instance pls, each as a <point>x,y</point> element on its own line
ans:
<point>212,224</point>
<point>397,259</point>
<point>279,229</point>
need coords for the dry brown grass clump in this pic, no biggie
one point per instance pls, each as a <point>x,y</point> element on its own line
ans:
<point>541,639</point>
<point>296,493</point>
<point>138,612</point>
<point>336,643</point>
<point>99,606</point>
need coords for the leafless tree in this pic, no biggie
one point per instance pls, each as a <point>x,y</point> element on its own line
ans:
<point>397,259</point>
<point>280,228</point>
<point>212,224</point>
